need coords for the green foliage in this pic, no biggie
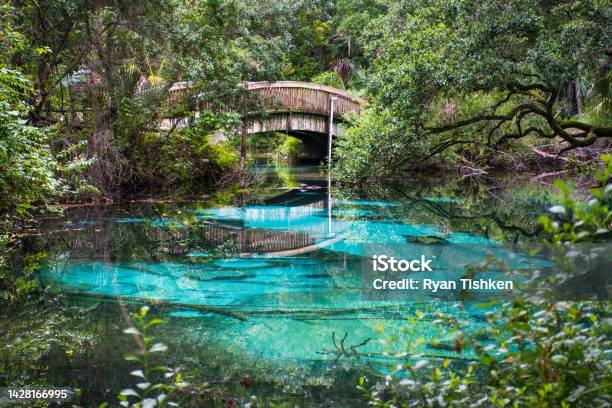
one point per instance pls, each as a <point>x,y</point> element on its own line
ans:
<point>187,161</point>
<point>153,389</point>
<point>350,19</point>
<point>367,151</point>
<point>446,48</point>
<point>289,150</point>
<point>578,223</point>
<point>26,164</point>
<point>100,75</point>
<point>534,352</point>
<point>329,78</point>
<point>477,73</point>
<point>224,155</point>
<point>266,142</point>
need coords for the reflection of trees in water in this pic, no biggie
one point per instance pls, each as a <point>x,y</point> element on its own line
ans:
<point>96,234</point>
<point>501,222</point>
<point>157,233</point>
<point>480,210</point>
<point>480,217</point>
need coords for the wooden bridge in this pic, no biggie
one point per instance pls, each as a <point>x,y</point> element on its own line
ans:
<point>301,109</point>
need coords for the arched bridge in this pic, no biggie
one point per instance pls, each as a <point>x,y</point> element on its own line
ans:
<point>297,107</point>
<point>300,109</point>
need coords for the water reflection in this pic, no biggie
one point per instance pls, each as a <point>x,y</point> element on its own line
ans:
<point>272,277</point>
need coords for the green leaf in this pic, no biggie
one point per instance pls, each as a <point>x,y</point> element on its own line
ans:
<point>143,385</point>
<point>137,373</point>
<point>131,330</point>
<point>129,392</point>
<point>131,357</point>
<point>144,310</point>
<point>557,209</point>
<point>160,369</point>
<point>158,348</point>
<point>154,322</point>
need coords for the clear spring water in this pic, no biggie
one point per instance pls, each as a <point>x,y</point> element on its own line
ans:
<point>285,266</point>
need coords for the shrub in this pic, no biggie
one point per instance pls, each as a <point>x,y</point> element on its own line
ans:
<point>289,150</point>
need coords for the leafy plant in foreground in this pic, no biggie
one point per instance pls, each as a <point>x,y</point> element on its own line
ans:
<point>533,352</point>
<point>151,390</point>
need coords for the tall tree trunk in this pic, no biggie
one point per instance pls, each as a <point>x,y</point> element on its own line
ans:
<point>107,169</point>
<point>574,97</point>
<point>104,171</point>
<point>578,96</point>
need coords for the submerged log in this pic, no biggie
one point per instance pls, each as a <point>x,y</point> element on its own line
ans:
<point>243,315</point>
<point>162,303</point>
<point>237,315</point>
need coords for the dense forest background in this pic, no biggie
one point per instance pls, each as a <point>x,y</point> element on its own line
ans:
<point>476,84</point>
<point>475,87</point>
<point>90,79</point>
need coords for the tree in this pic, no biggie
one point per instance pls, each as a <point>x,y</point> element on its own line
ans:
<point>54,48</point>
<point>454,71</point>
<point>26,164</point>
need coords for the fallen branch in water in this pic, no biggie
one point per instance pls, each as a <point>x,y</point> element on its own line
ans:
<point>327,312</point>
<point>243,315</point>
<point>342,351</point>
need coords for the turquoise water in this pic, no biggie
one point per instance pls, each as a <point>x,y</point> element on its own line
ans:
<point>271,279</point>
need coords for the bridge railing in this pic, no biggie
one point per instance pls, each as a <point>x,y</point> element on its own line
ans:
<point>306,97</point>
<point>290,96</point>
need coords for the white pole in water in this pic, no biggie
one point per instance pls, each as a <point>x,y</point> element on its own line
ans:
<point>329,159</point>
<point>330,131</point>
<point>329,205</point>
